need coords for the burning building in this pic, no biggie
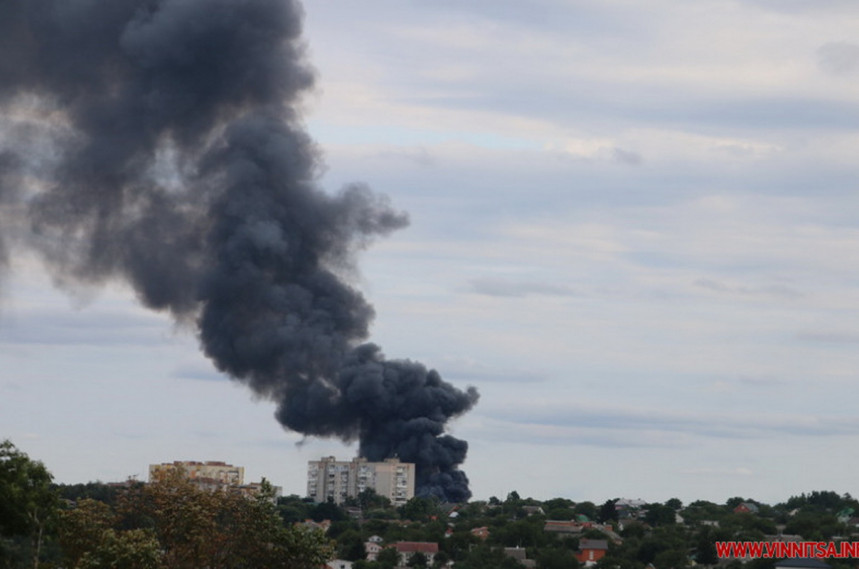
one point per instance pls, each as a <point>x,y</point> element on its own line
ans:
<point>159,142</point>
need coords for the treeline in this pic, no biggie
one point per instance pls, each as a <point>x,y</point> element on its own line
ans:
<point>665,535</point>
<point>173,524</point>
<point>170,523</point>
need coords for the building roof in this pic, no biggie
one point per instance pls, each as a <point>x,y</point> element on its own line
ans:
<point>593,544</point>
<point>516,553</point>
<point>562,526</point>
<point>747,507</point>
<point>416,547</point>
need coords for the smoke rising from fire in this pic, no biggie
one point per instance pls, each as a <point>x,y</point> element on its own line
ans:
<point>158,142</point>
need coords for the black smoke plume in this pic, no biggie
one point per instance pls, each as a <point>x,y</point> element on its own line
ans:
<point>158,142</point>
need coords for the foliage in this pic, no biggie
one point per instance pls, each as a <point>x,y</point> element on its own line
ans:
<point>130,549</point>
<point>607,512</point>
<point>659,515</point>
<point>484,557</point>
<point>100,491</point>
<point>420,508</point>
<point>28,504</point>
<point>557,558</point>
<point>172,523</point>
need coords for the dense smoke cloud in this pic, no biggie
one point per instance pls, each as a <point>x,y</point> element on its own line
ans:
<point>163,147</point>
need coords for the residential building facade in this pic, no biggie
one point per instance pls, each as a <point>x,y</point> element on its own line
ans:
<point>336,480</point>
<point>210,473</point>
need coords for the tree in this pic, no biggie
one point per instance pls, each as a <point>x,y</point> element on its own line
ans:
<point>588,509</point>
<point>607,512</point>
<point>350,546</point>
<point>419,508</point>
<point>28,503</point>
<point>82,528</point>
<point>417,559</point>
<point>172,523</point>
<point>557,558</point>
<point>368,499</point>
<point>130,549</point>
<point>674,503</point>
<point>388,558</point>
<point>660,515</point>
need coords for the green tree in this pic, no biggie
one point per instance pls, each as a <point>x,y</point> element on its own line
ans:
<point>28,502</point>
<point>388,558</point>
<point>607,512</point>
<point>82,528</point>
<point>484,557</point>
<point>674,503</point>
<point>172,523</point>
<point>417,559</point>
<point>419,508</point>
<point>350,546</point>
<point>130,549</point>
<point>588,509</point>
<point>659,515</point>
<point>556,558</point>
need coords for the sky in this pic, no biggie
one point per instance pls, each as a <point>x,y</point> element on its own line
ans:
<point>634,228</point>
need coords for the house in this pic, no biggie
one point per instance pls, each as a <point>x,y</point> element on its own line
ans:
<point>481,532</point>
<point>339,564</point>
<point>746,508</point>
<point>408,548</point>
<point>521,556</point>
<point>561,526</point>
<point>372,549</point>
<point>801,563</point>
<point>627,509</point>
<point>591,551</point>
<point>533,510</point>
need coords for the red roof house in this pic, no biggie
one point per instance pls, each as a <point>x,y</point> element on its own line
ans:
<point>408,548</point>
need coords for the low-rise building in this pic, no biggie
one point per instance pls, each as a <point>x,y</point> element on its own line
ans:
<point>406,549</point>
<point>372,550</point>
<point>481,532</point>
<point>591,551</point>
<point>520,555</point>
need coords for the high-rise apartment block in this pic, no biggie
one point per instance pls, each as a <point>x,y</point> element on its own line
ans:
<point>337,480</point>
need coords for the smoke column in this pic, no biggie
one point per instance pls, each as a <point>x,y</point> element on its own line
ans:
<point>158,142</point>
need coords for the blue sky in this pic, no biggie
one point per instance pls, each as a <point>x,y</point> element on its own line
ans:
<point>634,229</point>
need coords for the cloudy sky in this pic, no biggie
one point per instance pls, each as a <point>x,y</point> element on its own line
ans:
<point>634,229</point>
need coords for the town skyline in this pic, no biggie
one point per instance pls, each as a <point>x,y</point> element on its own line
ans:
<point>632,228</point>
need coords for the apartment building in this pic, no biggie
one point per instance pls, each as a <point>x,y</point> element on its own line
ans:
<point>329,478</point>
<point>206,474</point>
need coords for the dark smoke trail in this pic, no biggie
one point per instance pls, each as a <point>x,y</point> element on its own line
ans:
<point>157,141</point>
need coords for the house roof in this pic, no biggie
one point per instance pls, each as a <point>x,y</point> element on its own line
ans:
<point>593,544</point>
<point>516,553</point>
<point>562,526</point>
<point>416,547</point>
